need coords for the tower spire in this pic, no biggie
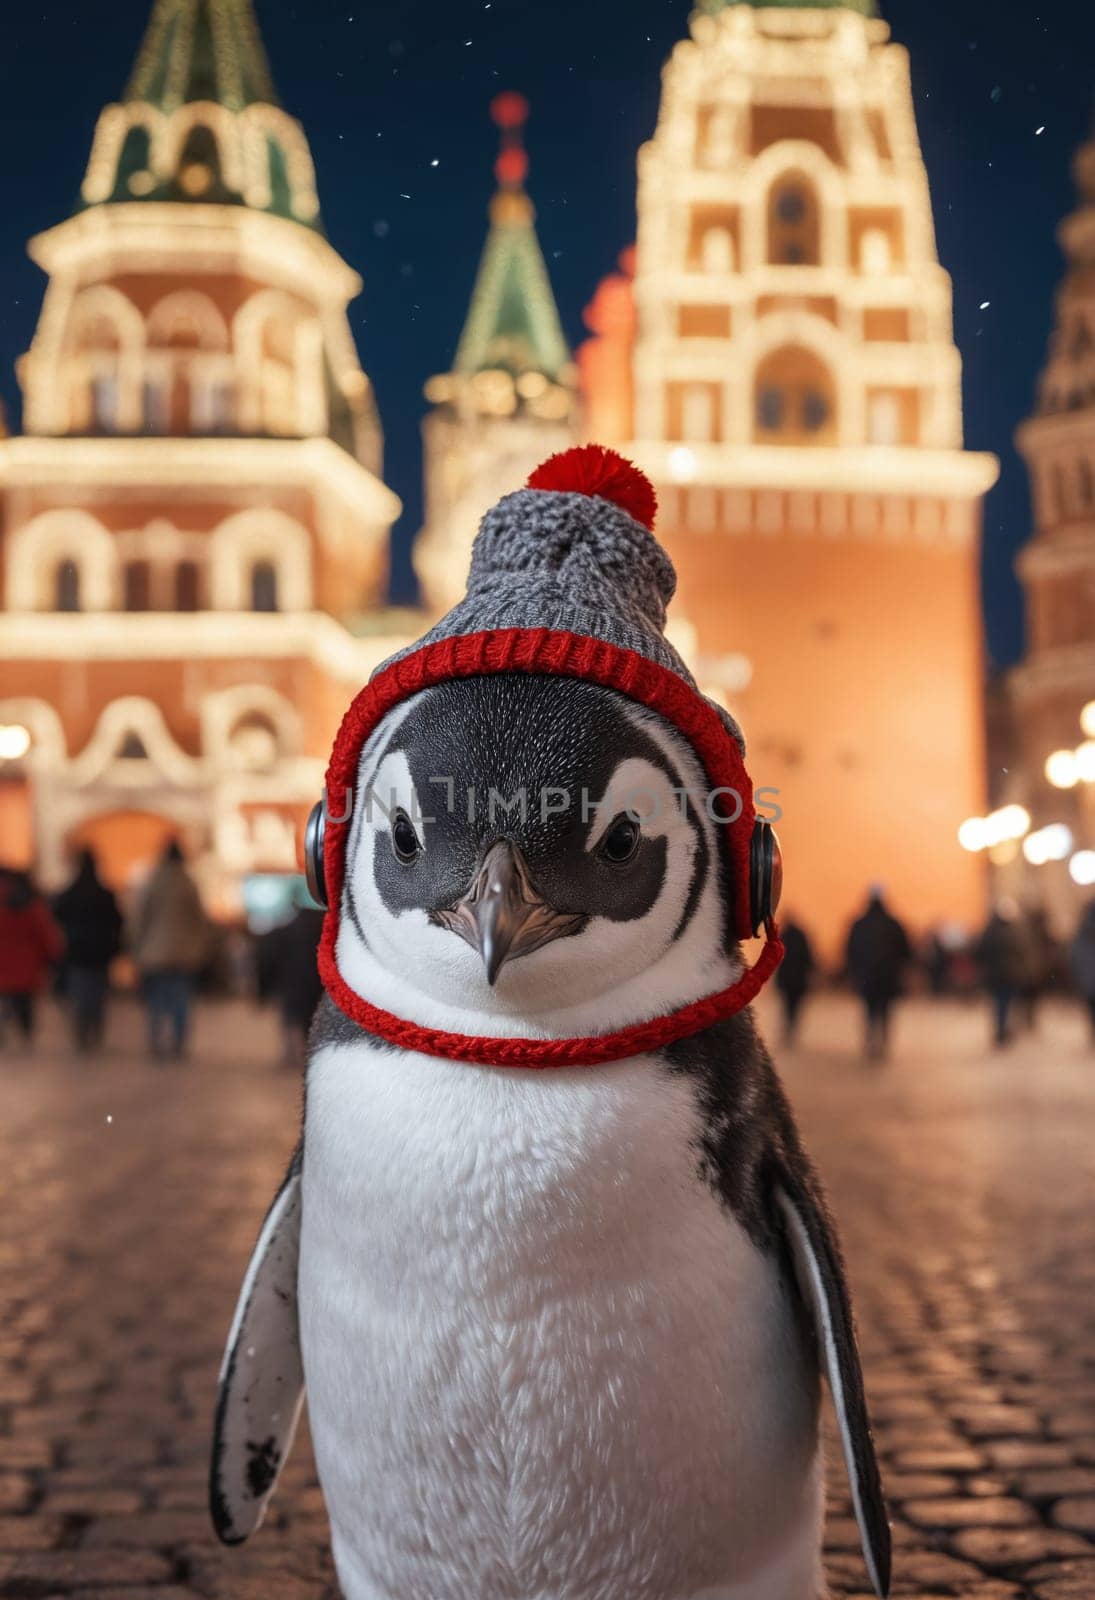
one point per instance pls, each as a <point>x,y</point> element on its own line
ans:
<point>202,50</point>
<point>513,322</point>
<point>200,120</point>
<point>510,399</point>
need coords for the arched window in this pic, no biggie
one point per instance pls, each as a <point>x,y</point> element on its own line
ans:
<point>66,586</point>
<point>794,233</point>
<point>264,586</point>
<point>137,586</point>
<point>188,587</point>
<point>104,402</point>
<point>795,399</point>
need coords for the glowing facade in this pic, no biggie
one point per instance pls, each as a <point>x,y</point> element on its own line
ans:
<point>1055,683</point>
<point>510,399</point>
<point>195,516</point>
<point>787,374</point>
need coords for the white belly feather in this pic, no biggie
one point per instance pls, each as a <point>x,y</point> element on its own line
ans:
<point>543,1362</point>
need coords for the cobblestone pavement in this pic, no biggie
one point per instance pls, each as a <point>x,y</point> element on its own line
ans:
<point>964,1183</point>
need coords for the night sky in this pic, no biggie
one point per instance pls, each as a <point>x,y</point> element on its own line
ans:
<point>394,99</point>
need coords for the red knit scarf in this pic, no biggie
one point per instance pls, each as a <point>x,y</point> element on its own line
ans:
<point>570,655</point>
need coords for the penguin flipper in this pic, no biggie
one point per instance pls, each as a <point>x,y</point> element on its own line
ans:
<point>261,1385</point>
<point>819,1270</point>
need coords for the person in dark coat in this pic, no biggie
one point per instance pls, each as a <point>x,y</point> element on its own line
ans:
<point>1004,959</point>
<point>292,977</point>
<point>30,944</point>
<point>877,954</point>
<point>793,975</point>
<point>92,925</point>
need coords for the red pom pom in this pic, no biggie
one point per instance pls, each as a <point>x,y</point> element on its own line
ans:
<point>594,470</point>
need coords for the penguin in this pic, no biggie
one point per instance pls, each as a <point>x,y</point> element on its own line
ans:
<point>561,1331</point>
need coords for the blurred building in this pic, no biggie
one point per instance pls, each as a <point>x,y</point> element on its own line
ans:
<point>511,398</point>
<point>1053,689</point>
<point>194,519</point>
<point>783,365</point>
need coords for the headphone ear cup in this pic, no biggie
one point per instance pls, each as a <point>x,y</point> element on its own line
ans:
<point>765,875</point>
<point>314,831</point>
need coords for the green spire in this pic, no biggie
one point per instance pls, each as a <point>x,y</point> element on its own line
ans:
<point>866,8</point>
<point>202,50</point>
<point>513,322</point>
<point>200,120</point>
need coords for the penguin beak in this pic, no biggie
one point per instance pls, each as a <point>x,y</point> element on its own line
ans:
<point>503,915</point>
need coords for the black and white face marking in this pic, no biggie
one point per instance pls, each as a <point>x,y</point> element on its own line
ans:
<point>559,862</point>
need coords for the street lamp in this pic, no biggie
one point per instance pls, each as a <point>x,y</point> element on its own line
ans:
<point>1081,868</point>
<point>999,827</point>
<point>14,741</point>
<point>1051,843</point>
<point>1061,769</point>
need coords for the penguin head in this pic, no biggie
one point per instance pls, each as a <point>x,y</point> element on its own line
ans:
<point>531,847</point>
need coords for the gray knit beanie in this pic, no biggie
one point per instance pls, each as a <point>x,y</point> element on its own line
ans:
<point>573,551</point>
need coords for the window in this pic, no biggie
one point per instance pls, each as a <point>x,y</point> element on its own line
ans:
<point>875,255</point>
<point>104,402</point>
<point>211,407</point>
<point>137,585</point>
<point>703,322</point>
<point>795,399</point>
<point>697,414</point>
<point>66,586</point>
<point>815,410</point>
<point>188,587</point>
<point>769,408</point>
<point>717,250</point>
<point>264,586</point>
<point>794,237</point>
<point>884,419</point>
<point>156,406</point>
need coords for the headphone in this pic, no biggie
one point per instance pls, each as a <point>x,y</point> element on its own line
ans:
<point>765,867</point>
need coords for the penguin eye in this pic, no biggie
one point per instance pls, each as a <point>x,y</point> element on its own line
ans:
<point>404,839</point>
<point>621,841</point>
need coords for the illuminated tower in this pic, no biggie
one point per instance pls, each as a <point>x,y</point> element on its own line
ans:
<point>1056,680</point>
<point>195,510</point>
<point>510,399</point>
<point>797,401</point>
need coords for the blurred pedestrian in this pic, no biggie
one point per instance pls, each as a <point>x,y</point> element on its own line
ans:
<point>292,975</point>
<point>877,953</point>
<point>170,939</point>
<point>937,962</point>
<point>30,944</point>
<point>1041,958</point>
<point>793,975</point>
<point>1083,961</point>
<point>1004,959</point>
<point>92,925</point>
